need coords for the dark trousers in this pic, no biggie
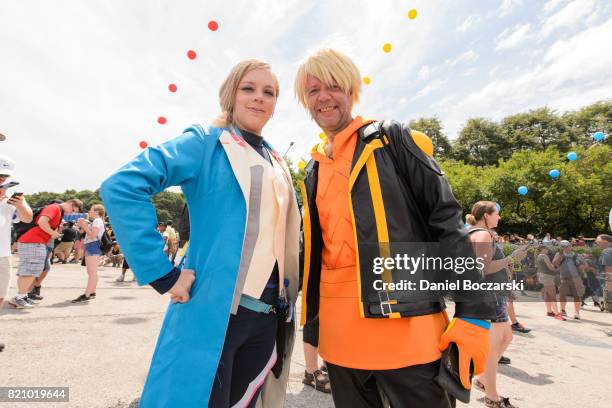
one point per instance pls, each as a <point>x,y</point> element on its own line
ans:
<point>247,353</point>
<point>403,388</point>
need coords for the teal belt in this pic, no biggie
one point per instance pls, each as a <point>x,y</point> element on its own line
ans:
<point>256,305</point>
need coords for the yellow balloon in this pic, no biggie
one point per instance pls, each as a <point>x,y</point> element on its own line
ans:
<point>301,165</point>
<point>367,80</point>
<point>322,136</point>
<point>387,47</point>
<point>412,14</point>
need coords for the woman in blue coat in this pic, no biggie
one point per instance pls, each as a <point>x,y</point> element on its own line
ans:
<point>230,322</point>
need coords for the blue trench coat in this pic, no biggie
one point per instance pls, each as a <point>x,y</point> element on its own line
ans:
<point>205,163</point>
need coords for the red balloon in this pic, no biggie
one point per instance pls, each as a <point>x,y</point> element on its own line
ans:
<point>191,54</point>
<point>161,120</point>
<point>172,87</point>
<point>213,25</point>
<point>143,144</point>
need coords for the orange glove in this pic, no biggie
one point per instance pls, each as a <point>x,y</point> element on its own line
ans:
<point>472,339</point>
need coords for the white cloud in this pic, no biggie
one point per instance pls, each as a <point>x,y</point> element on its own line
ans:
<point>569,16</point>
<point>470,23</point>
<point>424,72</point>
<point>467,56</point>
<point>571,74</point>
<point>511,37</point>
<point>551,5</point>
<point>507,6</point>
<point>432,86</point>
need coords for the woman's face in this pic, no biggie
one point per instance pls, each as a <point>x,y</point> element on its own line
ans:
<point>492,219</point>
<point>255,100</point>
<point>92,213</point>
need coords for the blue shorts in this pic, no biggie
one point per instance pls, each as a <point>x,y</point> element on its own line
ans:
<point>93,248</point>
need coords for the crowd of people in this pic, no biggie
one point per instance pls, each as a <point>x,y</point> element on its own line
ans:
<point>42,237</point>
<point>567,274</point>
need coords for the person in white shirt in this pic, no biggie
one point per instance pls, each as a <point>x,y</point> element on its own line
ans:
<point>13,208</point>
<point>93,236</point>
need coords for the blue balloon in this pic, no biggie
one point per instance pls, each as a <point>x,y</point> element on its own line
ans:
<point>498,207</point>
<point>599,136</point>
<point>554,173</point>
<point>571,156</point>
<point>522,190</point>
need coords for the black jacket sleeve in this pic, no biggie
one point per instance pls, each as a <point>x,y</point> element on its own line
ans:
<point>441,218</point>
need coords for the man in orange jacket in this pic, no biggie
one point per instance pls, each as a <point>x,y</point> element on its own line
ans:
<point>376,341</point>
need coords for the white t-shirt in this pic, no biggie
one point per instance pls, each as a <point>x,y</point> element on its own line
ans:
<point>99,224</point>
<point>8,216</point>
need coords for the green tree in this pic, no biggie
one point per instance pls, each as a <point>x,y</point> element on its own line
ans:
<point>536,129</point>
<point>432,127</point>
<point>297,177</point>
<point>577,202</point>
<point>469,183</point>
<point>480,143</point>
<point>584,122</point>
<point>169,206</point>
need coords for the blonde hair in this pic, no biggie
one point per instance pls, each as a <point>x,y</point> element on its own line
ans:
<point>229,87</point>
<point>479,210</point>
<point>332,68</point>
<point>99,208</point>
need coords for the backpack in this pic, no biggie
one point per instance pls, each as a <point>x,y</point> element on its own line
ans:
<point>23,227</point>
<point>106,243</point>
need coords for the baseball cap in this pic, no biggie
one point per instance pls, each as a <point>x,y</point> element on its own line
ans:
<point>7,166</point>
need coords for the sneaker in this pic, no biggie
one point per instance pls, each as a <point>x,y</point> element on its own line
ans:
<point>120,278</point>
<point>1,347</point>
<point>550,314</point>
<point>81,299</point>
<point>502,403</point>
<point>504,360</point>
<point>559,317</point>
<point>520,328</point>
<point>33,296</point>
<point>19,303</point>
<point>576,317</point>
<point>563,313</point>
<point>31,301</point>
<point>93,295</point>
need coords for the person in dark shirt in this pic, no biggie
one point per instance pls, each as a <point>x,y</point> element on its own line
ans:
<point>64,248</point>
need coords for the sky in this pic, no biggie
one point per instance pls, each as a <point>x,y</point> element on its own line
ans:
<point>82,83</point>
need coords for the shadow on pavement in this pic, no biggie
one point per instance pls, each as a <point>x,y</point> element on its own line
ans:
<point>123,297</point>
<point>574,338</point>
<point>523,376</point>
<point>130,320</point>
<point>308,398</point>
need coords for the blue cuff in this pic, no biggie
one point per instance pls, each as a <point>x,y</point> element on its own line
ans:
<point>163,284</point>
<point>485,324</point>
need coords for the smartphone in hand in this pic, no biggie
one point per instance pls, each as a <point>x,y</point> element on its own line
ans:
<point>9,185</point>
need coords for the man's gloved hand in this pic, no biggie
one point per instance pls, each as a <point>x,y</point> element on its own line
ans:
<point>472,339</point>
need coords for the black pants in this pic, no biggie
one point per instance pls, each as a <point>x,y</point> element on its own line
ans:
<point>404,387</point>
<point>310,334</point>
<point>247,357</point>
